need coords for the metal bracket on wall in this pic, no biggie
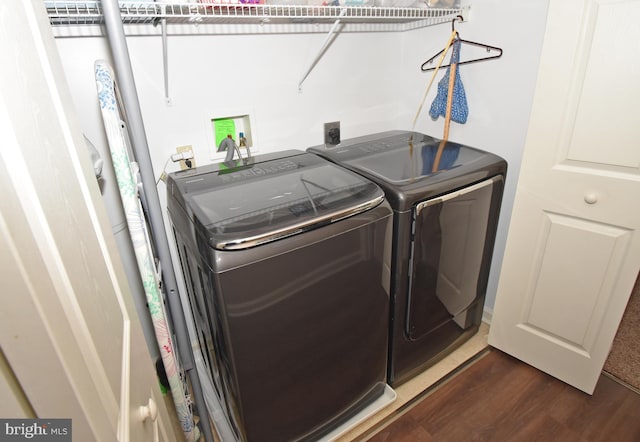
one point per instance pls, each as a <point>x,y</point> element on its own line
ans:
<point>326,43</point>
<point>165,61</point>
<point>165,52</point>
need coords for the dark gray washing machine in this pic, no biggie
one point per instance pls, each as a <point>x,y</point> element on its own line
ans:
<point>287,266</point>
<point>445,221</point>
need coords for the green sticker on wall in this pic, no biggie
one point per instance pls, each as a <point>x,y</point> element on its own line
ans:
<point>223,127</point>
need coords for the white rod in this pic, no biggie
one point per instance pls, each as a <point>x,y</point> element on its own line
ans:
<point>327,40</point>
<point>165,61</point>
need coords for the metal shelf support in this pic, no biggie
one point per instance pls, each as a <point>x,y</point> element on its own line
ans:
<point>323,48</point>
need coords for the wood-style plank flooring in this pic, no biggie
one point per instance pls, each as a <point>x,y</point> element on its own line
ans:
<point>498,398</point>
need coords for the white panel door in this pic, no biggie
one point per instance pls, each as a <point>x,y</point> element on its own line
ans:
<point>573,250</point>
<point>68,325</point>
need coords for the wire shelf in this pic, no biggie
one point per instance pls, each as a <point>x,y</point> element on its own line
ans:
<point>64,13</point>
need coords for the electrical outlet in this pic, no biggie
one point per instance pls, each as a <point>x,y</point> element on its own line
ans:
<point>332,133</point>
<point>191,161</point>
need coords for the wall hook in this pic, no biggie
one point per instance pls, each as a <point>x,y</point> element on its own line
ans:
<point>453,22</point>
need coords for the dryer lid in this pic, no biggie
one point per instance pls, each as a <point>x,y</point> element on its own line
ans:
<point>411,166</point>
<point>249,205</point>
<point>403,157</point>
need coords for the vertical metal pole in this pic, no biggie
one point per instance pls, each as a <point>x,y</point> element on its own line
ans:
<point>126,84</point>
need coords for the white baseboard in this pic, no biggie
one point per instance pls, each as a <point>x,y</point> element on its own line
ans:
<point>487,315</point>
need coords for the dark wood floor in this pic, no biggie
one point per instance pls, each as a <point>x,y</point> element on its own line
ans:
<point>499,398</point>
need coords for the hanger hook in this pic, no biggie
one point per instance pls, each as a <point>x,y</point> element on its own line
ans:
<point>453,22</point>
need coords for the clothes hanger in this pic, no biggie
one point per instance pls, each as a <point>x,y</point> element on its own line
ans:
<point>472,43</point>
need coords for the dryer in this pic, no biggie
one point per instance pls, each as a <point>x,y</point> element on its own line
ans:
<point>287,265</point>
<point>446,200</point>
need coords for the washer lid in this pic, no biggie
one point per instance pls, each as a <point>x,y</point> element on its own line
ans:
<point>252,204</point>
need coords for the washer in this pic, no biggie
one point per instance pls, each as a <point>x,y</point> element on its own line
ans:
<point>287,266</point>
<point>445,221</point>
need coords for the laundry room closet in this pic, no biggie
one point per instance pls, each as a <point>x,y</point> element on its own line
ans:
<point>280,82</point>
<point>437,175</point>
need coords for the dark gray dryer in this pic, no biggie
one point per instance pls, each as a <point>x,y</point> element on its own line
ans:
<point>287,266</point>
<point>446,207</point>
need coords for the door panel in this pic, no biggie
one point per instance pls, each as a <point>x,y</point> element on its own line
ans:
<point>453,239</point>
<point>573,250</point>
<point>597,251</point>
<point>608,57</point>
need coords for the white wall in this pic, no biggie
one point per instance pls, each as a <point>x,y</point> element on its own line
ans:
<point>369,81</point>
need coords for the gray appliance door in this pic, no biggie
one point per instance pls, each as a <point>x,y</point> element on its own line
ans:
<point>453,242</point>
<point>306,323</point>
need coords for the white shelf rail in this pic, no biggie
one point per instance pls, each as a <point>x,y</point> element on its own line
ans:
<point>65,12</point>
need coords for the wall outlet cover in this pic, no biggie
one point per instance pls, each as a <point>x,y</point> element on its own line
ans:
<point>192,160</point>
<point>332,133</point>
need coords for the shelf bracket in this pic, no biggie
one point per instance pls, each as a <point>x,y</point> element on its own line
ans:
<point>326,43</point>
<point>165,61</point>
